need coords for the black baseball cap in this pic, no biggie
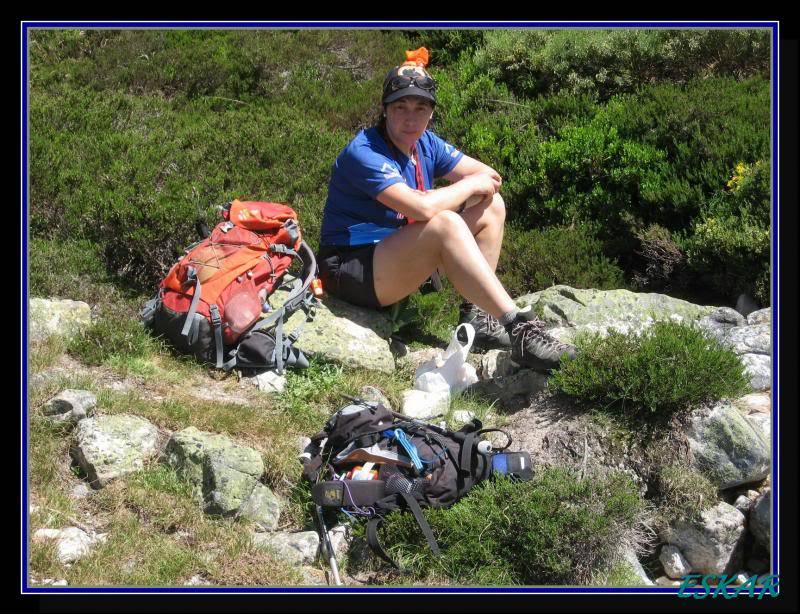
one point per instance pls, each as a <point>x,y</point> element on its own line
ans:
<point>408,80</point>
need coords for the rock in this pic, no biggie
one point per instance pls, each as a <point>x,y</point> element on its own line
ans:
<point>463,416</point>
<point>413,360</point>
<point>760,402</point>
<point>743,504</point>
<point>573,310</point>
<point>111,446</point>
<point>371,393</point>
<point>57,317</point>
<point>762,316</point>
<point>761,520</point>
<point>72,542</point>
<point>726,317</point>
<point>496,363</point>
<point>72,405</point>
<point>752,495</point>
<point>756,339</point>
<point>713,545</point>
<point>270,382</point>
<point>762,423</point>
<point>759,369</point>
<point>745,305</point>
<point>665,581</point>
<point>302,444</point>
<point>297,548</point>
<point>675,564</point>
<point>341,537</point>
<point>423,405</point>
<point>344,333</point>
<point>504,389</point>
<point>80,491</point>
<point>223,474</point>
<point>262,507</point>
<point>633,561</point>
<point>726,448</point>
<point>195,580</point>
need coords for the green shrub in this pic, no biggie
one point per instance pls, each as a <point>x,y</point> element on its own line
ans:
<point>729,245</point>
<point>683,493</point>
<point>606,62</point>
<point>666,368</point>
<point>533,260</point>
<point>555,529</point>
<point>116,333</point>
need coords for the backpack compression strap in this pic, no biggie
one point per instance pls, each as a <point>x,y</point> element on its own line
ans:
<point>416,510</point>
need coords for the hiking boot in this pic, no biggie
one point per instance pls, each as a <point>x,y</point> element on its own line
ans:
<point>532,347</point>
<point>489,333</point>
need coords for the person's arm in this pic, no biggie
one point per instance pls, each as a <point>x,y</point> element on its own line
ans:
<point>470,166</point>
<point>423,206</point>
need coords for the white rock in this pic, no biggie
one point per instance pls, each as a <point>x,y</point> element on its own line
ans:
<point>496,363</point>
<point>759,369</point>
<point>757,402</point>
<point>675,564</point>
<point>341,536</point>
<point>270,382</point>
<point>665,581</point>
<point>743,504</point>
<point>712,544</point>
<point>80,491</point>
<point>73,405</point>
<point>762,316</point>
<point>423,405</point>
<point>762,423</point>
<point>297,548</point>
<point>463,416</point>
<point>633,560</point>
<point>72,542</point>
<point>195,581</point>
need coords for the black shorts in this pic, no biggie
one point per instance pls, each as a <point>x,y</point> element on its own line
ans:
<point>346,272</point>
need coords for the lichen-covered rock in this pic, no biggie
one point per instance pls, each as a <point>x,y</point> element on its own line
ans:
<point>714,544</point>
<point>726,448</point>
<point>762,423</point>
<point>756,339</point>
<point>70,405</point>
<point>674,563</point>
<point>761,520</point>
<point>111,446</point>
<point>573,310</point>
<point>57,317</point>
<point>262,507</point>
<point>723,317</point>
<point>759,369</point>
<point>223,474</point>
<point>762,316</point>
<point>371,393</point>
<point>297,548</point>
<point>344,333</point>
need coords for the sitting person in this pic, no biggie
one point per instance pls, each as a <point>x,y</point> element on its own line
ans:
<point>385,231</point>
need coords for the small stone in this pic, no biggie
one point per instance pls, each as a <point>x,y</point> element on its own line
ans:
<point>753,494</point>
<point>762,316</point>
<point>303,443</point>
<point>423,405</point>
<point>757,402</point>
<point>195,580</point>
<point>80,491</point>
<point>298,548</point>
<point>72,542</point>
<point>665,581</point>
<point>340,536</point>
<point>270,382</point>
<point>463,416</point>
<point>743,504</point>
<point>371,393</point>
<point>674,563</point>
<point>73,405</point>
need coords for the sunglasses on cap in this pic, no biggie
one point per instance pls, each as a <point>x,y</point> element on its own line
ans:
<point>399,82</point>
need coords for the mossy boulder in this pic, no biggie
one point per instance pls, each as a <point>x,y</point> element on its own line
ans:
<point>571,310</point>
<point>344,333</point>
<point>222,473</point>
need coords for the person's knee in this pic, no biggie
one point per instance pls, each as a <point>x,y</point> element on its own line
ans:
<point>497,208</point>
<point>448,223</point>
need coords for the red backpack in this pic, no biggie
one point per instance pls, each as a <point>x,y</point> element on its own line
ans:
<point>211,302</point>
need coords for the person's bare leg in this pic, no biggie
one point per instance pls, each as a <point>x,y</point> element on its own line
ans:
<point>486,222</point>
<point>405,259</point>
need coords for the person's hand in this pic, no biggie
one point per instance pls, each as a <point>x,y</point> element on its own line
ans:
<point>486,184</point>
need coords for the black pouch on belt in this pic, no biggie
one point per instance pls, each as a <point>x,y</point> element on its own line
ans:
<point>348,493</point>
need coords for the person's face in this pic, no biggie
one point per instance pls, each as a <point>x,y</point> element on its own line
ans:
<point>407,119</point>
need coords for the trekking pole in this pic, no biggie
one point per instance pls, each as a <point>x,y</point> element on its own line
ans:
<point>326,541</point>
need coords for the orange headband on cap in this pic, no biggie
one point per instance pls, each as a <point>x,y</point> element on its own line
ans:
<point>418,57</point>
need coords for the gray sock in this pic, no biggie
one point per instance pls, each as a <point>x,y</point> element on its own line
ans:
<point>508,318</point>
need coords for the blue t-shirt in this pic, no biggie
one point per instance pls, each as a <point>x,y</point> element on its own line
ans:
<point>363,170</point>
